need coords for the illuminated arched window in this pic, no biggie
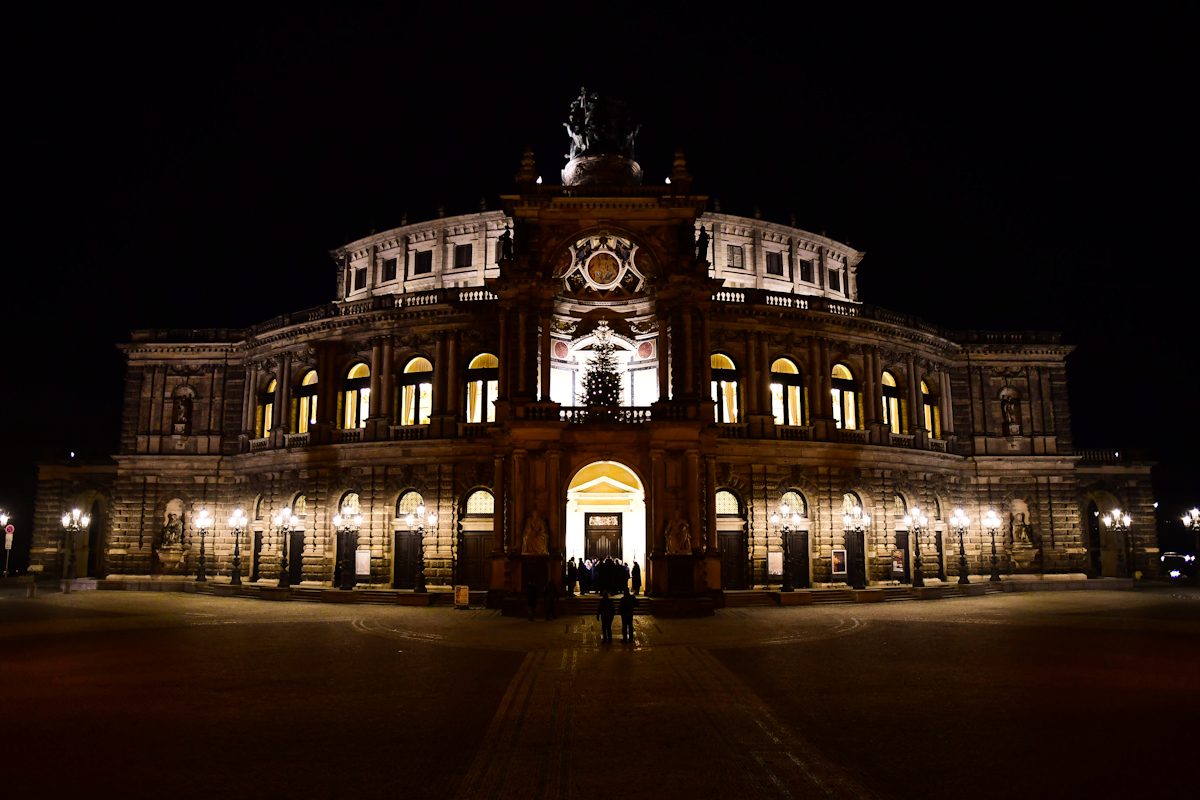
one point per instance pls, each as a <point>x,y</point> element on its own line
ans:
<point>845,397</point>
<point>893,404</point>
<point>306,402</point>
<point>300,507</point>
<point>725,387</point>
<point>787,392</point>
<point>849,501</point>
<point>480,503</point>
<point>265,415</point>
<point>483,375</point>
<point>899,508</point>
<point>407,504</point>
<point>356,397</point>
<point>727,504</point>
<point>260,507</point>
<point>350,505</point>
<point>416,392</point>
<point>933,422</point>
<point>795,502</point>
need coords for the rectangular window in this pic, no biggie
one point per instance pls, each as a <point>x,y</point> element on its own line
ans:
<point>360,278</point>
<point>774,263</point>
<point>835,280</point>
<point>423,263</point>
<point>735,257</point>
<point>389,269</point>
<point>806,272</point>
<point>462,256</point>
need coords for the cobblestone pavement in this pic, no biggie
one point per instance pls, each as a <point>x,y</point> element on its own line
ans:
<point>1004,695</point>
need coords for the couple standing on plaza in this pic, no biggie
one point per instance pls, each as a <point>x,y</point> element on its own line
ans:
<point>606,612</point>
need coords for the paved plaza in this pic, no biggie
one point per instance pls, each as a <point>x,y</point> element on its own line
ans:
<point>182,695</point>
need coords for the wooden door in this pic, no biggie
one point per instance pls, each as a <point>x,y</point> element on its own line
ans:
<point>602,536</point>
<point>733,559</point>
<point>473,559</point>
<point>406,557</point>
<point>296,558</point>
<point>256,555</point>
<point>940,554</point>
<point>798,551</point>
<point>905,570</point>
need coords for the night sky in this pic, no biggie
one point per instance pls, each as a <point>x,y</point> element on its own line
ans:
<point>1002,173</point>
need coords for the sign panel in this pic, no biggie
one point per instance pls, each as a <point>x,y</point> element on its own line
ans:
<point>462,596</point>
<point>898,561</point>
<point>839,562</point>
<point>775,563</point>
<point>8,541</point>
<point>362,562</point>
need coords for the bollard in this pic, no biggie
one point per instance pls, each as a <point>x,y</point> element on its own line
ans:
<point>31,590</point>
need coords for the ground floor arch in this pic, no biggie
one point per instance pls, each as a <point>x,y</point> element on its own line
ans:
<point>1104,546</point>
<point>606,514</point>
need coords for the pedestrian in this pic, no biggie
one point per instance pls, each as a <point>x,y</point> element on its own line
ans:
<point>625,571</point>
<point>585,576</point>
<point>636,577</point>
<point>531,597</point>
<point>627,605</point>
<point>551,594</point>
<point>606,572</point>
<point>605,614</point>
<point>570,576</point>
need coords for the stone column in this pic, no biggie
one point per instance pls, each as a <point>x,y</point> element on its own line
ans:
<point>764,380</point>
<point>376,401</point>
<point>522,350</point>
<point>388,401</point>
<point>689,354</point>
<point>658,504</point>
<point>710,501</point>
<point>915,409</point>
<point>439,374</point>
<point>520,486</point>
<point>706,356</point>
<point>502,351</point>
<point>826,379</point>
<point>663,346</point>
<point>453,383</point>
<point>750,372</point>
<point>251,400</point>
<point>283,395</point>
<point>553,525</point>
<point>498,508</point>
<point>947,404</point>
<point>545,355</point>
<point>694,497</point>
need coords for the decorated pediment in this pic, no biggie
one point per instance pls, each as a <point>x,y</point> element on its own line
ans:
<point>603,267</point>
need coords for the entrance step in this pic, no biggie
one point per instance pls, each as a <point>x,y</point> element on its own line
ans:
<point>750,597</point>
<point>834,596</point>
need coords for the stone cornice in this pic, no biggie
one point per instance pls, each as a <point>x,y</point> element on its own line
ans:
<point>851,255</point>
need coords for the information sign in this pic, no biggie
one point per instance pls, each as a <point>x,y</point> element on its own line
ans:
<point>462,596</point>
<point>775,563</point>
<point>8,541</point>
<point>362,562</point>
<point>839,562</point>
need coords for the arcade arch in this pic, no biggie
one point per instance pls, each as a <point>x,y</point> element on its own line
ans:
<point>606,513</point>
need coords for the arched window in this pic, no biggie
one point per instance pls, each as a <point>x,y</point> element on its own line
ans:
<point>725,387</point>
<point>933,422</point>
<point>727,504</point>
<point>480,503</point>
<point>407,504</point>
<point>845,397</point>
<point>795,502</point>
<point>356,397</point>
<point>937,508</point>
<point>893,404</point>
<point>787,393</point>
<point>849,501</point>
<point>483,374</point>
<point>259,507</point>
<point>899,508</point>
<point>349,505</point>
<point>300,507</point>
<point>306,402</point>
<point>416,392</point>
<point>265,416</point>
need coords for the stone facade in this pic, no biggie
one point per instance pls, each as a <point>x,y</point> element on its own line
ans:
<point>976,420</point>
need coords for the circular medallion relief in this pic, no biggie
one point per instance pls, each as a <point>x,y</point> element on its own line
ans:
<point>645,350</point>
<point>560,350</point>
<point>603,269</point>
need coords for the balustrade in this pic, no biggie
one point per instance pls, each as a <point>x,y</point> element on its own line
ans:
<point>347,435</point>
<point>852,436</point>
<point>258,445</point>
<point>407,433</point>
<point>296,440</point>
<point>794,433</point>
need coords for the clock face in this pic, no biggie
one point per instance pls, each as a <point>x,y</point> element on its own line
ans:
<point>602,267</point>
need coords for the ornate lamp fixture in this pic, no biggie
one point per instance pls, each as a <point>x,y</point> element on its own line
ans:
<point>347,525</point>
<point>991,524</point>
<point>8,539</point>
<point>286,522</point>
<point>857,523</point>
<point>959,523</point>
<point>73,522</point>
<point>1119,524</point>
<point>418,523</point>
<point>203,523</point>
<point>784,522</point>
<point>916,525</point>
<point>1191,521</point>
<point>237,525</point>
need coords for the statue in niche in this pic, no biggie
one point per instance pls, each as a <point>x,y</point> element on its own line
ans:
<point>1022,531</point>
<point>535,538</point>
<point>702,245</point>
<point>182,415</point>
<point>506,245</point>
<point>172,532</point>
<point>678,536</point>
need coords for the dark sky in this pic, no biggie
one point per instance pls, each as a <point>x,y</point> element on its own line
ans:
<point>1023,171</point>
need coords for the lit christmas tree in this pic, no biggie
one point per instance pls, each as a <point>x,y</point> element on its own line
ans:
<point>601,382</point>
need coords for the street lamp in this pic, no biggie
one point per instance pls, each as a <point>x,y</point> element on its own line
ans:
<point>73,522</point>
<point>785,521</point>
<point>286,522</point>
<point>991,524</point>
<point>346,526</point>
<point>958,524</point>
<point>203,522</point>
<point>856,522</point>
<point>237,524</point>
<point>916,526</point>
<point>1119,524</point>
<point>417,524</point>
<point>8,539</point>
<point>1191,521</point>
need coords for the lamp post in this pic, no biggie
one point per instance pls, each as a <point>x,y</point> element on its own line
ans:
<point>286,522</point>
<point>916,526</point>
<point>785,521</point>
<point>856,523</point>
<point>1119,524</point>
<point>1191,521</point>
<point>8,539</point>
<point>417,524</point>
<point>237,524</point>
<point>959,522</point>
<point>73,522</point>
<point>991,523</point>
<point>347,525</point>
<point>203,522</point>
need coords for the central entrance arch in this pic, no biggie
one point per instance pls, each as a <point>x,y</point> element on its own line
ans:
<point>606,514</point>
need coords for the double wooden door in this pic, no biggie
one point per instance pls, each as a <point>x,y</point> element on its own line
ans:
<point>798,556</point>
<point>473,552</point>
<point>602,537</point>
<point>733,559</point>
<point>406,560</point>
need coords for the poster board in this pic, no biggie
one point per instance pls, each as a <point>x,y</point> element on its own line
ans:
<point>362,562</point>
<point>774,563</point>
<point>897,562</point>
<point>462,596</point>
<point>839,562</point>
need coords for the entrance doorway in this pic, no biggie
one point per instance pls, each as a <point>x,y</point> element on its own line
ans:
<point>296,558</point>
<point>606,514</point>
<point>602,536</point>
<point>406,560</point>
<point>475,539</point>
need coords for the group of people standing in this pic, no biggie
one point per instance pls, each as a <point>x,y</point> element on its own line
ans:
<point>603,575</point>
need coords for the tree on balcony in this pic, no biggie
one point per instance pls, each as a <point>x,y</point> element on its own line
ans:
<point>601,381</point>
